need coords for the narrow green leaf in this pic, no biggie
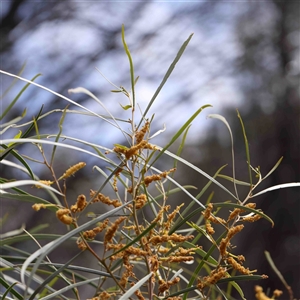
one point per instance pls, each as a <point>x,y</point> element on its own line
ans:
<point>239,182</point>
<point>25,237</point>
<point>121,146</point>
<point>176,190</point>
<point>238,289</point>
<point>202,262</point>
<point>181,146</point>
<point>51,284</point>
<point>131,66</point>
<point>136,80</point>
<point>134,288</point>
<point>67,288</point>
<point>12,145</point>
<point>92,113</point>
<point>182,291</point>
<point>53,275</point>
<point>202,253</point>
<point>180,131</point>
<point>12,184</point>
<point>200,172</point>
<point>17,156</point>
<point>13,82</point>
<point>45,250</point>
<point>241,278</point>
<point>178,153</point>
<point>181,221</point>
<point>278,273</point>
<point>10,289</point>
<point>222,119</point>
<point>10,106</point>
<point>246,147</point>
<point>126,107</point>
<point>17,136</point>
<point>274,168</point>
<point>60,126</point>
<point>164,80</point>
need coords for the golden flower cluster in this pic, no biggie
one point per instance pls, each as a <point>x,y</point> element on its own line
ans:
<point>228,258</point>
<point>63,215</point>
<point>225,242</point>
<point>174,237</point>
<point>112,230</point>
<point>128,270</point>
<point>156,177</point>
<point>210,218</point>
<point>237,266</point>
<point>171,216</point>
<point>238,211</point>
<point>80,205</point>
<point>140,201</point>
<point>90,234</point>
<point>135,149</point>
<point>139,135</point>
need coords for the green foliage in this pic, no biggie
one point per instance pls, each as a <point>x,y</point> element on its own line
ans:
<point>143,248</point>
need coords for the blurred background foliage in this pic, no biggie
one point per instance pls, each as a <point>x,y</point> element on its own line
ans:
<point>243,55</point>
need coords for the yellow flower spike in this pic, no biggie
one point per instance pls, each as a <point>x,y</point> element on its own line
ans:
<point>140,134</point>
<point>72,170</point>
<point>38,206</point>
<point>209,229</point>
<point>46,182</point>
